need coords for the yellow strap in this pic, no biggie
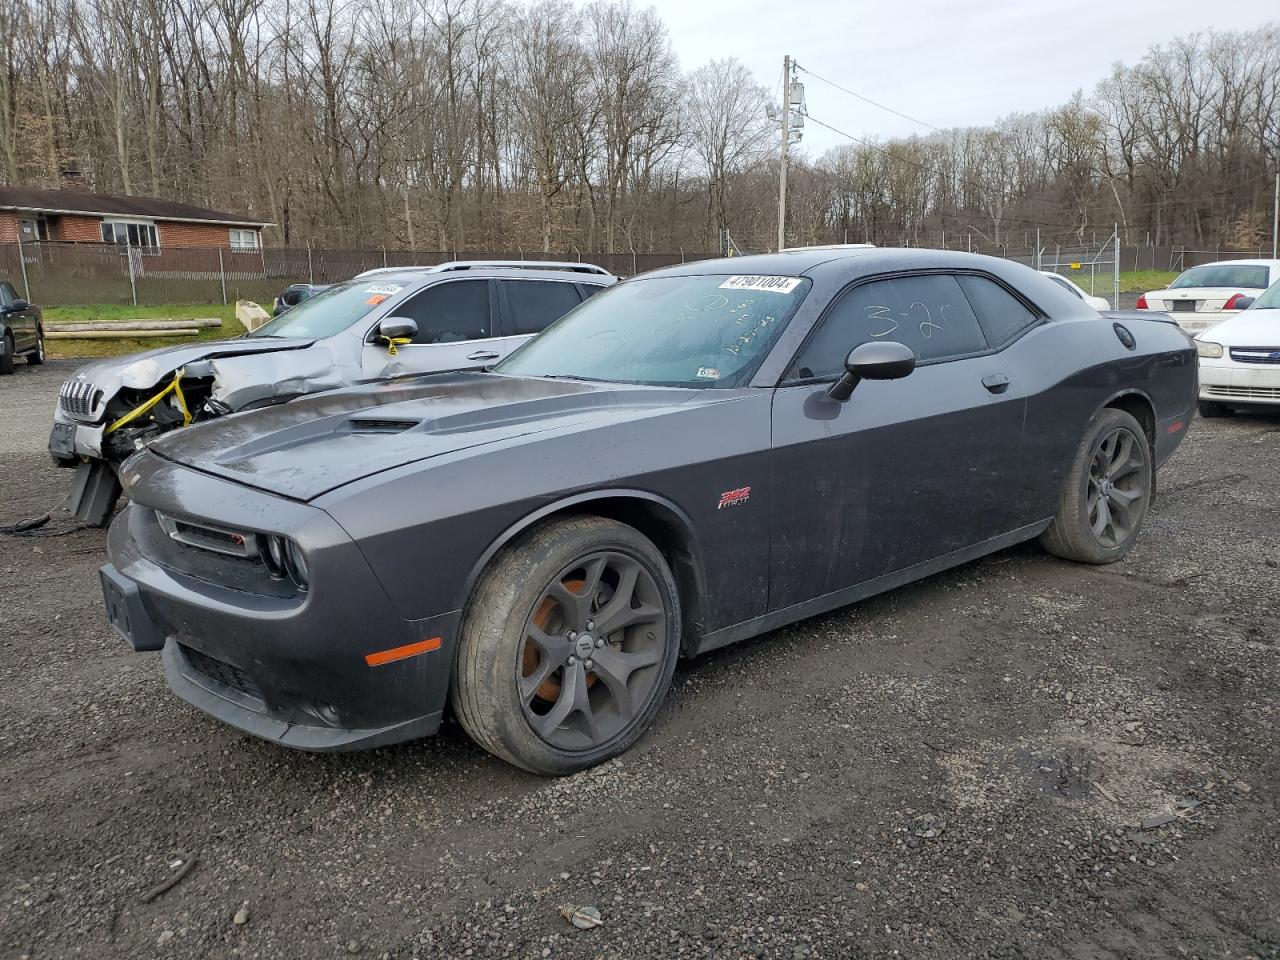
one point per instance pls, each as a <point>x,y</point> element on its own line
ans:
<point>393,341</point>
<point>173,387</point>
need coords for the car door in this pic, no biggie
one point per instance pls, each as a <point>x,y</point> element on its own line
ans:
<point>21,323</point>
<point>530,306</point>
<point>905,471</point>
<point>457,330</point>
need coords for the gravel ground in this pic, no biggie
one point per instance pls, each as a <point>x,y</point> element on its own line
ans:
<point>1018,758</point>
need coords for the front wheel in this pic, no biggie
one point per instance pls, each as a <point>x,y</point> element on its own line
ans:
<point>36,356</point>
<point>568,646</point>
<point>1106,494</point>
<point>6,353</point>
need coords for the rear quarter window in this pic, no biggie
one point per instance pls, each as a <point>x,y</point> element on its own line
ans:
<point>1002,315</point>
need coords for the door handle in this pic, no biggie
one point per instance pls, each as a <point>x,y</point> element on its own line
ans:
<point>996,382</point>
<point>482,355</point>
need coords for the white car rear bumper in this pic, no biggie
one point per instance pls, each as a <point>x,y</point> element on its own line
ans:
<point>1198,322</point>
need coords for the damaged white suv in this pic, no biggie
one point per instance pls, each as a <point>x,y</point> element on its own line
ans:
<point>384,323</point>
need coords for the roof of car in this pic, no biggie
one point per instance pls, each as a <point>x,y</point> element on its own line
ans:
<point>1238,263</point>
<point>854,260</point>
<point>557,268</point>
<point>408,275</point>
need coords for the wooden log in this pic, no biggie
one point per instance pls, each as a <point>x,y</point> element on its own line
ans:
<point>198,323</point>
<point>116,334</point>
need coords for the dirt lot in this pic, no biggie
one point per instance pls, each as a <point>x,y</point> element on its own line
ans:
<point>959,768</point>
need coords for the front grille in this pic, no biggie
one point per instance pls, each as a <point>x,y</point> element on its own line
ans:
<point>1243,393</point>
<point>1256,354</point>
<point>207,537</point>
<point>222,673</point>
<point>79,399</point>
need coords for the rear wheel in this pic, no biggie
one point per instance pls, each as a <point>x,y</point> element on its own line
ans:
<point>36,356</point>
<point>568,646</point>
<point>6,353</point>
<point>1106,494</point>
<point>1212,411</point>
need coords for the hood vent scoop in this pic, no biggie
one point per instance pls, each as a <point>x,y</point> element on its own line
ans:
<point>379,425</point>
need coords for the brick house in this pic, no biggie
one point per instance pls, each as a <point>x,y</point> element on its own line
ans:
<point>78,216</point>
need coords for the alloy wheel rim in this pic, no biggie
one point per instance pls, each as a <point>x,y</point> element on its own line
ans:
<point>591,656</point>
<point>1116,491</point>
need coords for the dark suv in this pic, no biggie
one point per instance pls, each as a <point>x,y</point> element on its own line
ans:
<point>21,329</point>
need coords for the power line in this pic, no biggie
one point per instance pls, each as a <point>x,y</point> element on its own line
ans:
<point>896,113</point>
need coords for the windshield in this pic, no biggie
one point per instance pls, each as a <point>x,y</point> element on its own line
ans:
<point>1234,275</point>
<point>1269,300</point>
<point>702,331</point>
<point>329,312</point>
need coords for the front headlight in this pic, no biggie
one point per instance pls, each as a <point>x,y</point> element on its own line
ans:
<point>283,558</point>
<point>141,374</point>
<point>296,562</point>
<point>1206,348</point>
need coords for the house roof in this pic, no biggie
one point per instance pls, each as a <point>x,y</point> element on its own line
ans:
<point>108,205</point>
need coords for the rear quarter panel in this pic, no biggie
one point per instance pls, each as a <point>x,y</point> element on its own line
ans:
<point>1070,369</point>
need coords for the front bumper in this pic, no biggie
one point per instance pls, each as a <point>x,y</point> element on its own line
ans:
<point>280,664</point>
<point>1223,380</point>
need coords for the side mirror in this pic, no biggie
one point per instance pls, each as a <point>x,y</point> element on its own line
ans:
<point>878,360</point>
<point>18,306</point>
<point>397,328</point>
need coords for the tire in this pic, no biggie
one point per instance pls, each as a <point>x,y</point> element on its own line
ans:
<point>1212,411</point>
<point>534,702</point>
<point>1110,484</point>
<point>6,353</point>
<point>36,356</point>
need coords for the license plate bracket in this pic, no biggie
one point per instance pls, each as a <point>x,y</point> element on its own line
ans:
<point>62,441</point>
<point>1182,306</point>
<point>123,602</point>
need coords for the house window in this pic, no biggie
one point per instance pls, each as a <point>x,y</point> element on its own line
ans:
<point>244,239</point>
<point>34,229</point>
<point>131,233</point>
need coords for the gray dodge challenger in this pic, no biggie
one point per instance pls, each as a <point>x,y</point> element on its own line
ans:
<point>696,456</point>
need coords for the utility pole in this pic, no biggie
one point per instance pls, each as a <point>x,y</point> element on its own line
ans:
<point>1275,219</point>
<point>786,147</point>
<point>791,122</point>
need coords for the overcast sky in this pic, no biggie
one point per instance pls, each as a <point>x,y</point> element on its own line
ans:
<point>947,62</point>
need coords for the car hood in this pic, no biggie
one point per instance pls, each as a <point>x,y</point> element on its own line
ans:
<point>1249,328</point>
<point>306,448</point>
<point>106,373</point>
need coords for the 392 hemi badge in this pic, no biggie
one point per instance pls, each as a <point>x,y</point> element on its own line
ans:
<point>733,498</point>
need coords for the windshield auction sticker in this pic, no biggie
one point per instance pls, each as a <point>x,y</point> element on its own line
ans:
<point>766,284</point>
<point>385,289</point>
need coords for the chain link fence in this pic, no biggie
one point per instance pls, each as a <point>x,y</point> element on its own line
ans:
<point>61,274</point>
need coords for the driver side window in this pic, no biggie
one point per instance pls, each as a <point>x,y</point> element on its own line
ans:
<point>451,312</point>
<point>928,313</point>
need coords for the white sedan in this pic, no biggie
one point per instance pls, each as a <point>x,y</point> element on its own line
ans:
<point>1240,358</point>
<point>1208,294</point>
<point>1098,303</point>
